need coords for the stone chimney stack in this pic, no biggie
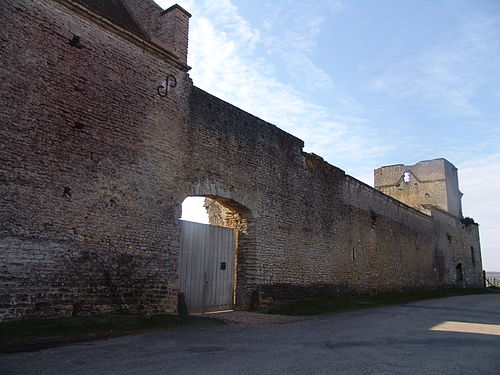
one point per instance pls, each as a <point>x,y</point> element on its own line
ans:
<point>174,30</point>
<point>168,28</point>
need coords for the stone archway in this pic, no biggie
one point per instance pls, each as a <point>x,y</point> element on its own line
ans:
<point>226,213</point>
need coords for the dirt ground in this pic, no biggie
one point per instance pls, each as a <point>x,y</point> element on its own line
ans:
<point>252,318</point>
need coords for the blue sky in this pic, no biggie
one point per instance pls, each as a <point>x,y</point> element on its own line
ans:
<point>366,83</point>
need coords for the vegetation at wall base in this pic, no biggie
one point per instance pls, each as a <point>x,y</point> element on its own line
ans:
<point>34,334</point>
<point>318,306</point>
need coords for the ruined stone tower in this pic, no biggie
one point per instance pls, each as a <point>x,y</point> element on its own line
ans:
<point>426,183</point>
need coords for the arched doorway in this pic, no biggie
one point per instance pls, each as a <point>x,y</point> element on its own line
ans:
<point>212,255</point>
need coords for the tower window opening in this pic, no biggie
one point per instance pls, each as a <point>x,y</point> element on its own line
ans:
<point>406,177</point>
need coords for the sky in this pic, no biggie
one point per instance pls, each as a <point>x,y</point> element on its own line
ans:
<point>366,83</point>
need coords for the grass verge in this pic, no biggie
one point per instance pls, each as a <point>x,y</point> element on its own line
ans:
<point>34,334</point>
<point>317,306</point>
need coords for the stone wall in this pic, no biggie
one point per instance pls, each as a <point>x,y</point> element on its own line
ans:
<point>458,243</point>
<point>82,173</point>
<point>95,166</point>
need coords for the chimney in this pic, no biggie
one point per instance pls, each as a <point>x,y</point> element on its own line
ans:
<point>168,28</point>
<point>174,29</point>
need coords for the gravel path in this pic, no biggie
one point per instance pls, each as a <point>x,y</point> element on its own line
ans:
<point>253,318</point>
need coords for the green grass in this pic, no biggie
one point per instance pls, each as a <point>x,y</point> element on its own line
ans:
<point>319,306</point>
<point>39,333</point>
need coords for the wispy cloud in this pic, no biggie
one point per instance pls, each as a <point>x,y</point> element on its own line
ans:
<point>448,75</point>
<point>293,38</point>
<point>225,14</point>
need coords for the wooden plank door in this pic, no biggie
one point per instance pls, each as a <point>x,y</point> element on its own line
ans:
<point>207,267</point>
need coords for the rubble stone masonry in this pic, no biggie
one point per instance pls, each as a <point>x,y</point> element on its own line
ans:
<point>95,164</point>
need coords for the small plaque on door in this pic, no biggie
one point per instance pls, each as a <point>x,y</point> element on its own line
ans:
<point>222,265</point>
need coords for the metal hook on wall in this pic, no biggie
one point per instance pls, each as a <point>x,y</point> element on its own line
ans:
<point>170,82</point>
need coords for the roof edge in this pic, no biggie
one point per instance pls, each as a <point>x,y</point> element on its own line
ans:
<point>127,35</point>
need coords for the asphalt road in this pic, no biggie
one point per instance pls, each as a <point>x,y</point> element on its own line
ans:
<point>388,340</point>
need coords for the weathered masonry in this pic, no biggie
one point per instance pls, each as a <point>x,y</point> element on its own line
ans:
<point>103,135</point>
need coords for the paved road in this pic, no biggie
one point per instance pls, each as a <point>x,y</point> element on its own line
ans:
<point>389,340</point>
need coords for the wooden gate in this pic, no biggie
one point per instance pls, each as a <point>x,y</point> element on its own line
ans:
<point>207,266</point>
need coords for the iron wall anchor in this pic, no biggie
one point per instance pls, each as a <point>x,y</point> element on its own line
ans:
<point>170,82</point>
